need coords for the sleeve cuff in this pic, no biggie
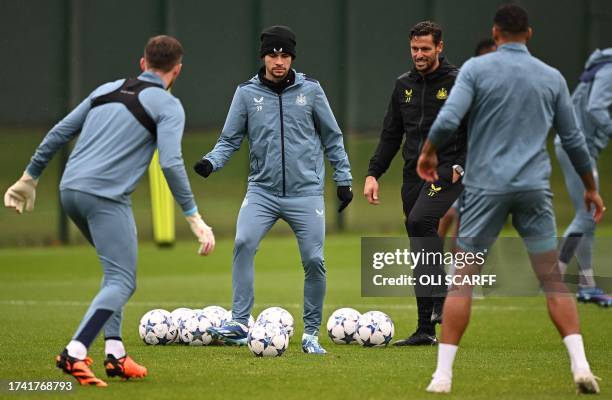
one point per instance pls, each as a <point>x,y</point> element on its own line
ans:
<point>437,139</point>
<point>33,172</point>
<point>211,163</point>
<point>191,212</point>
<point>374,174</point>
<point>344,183</point>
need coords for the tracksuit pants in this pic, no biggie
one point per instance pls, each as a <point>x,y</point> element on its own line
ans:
<point>109,226</point>
<point>579,235</point>
<point>424,204</point>
<point>306,216</point>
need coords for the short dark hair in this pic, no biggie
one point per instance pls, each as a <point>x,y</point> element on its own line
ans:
<point>163,52</point>
<point>425,28</point>
<point>484,44</point>
<point>511,18</point>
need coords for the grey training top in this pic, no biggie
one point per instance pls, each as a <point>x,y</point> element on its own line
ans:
<point>114,149</point>
<point>288,136</point>
<point>513,99</point>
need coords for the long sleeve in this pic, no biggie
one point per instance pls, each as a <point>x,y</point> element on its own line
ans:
<point>572,139</point>
<point>232,135</point>
<point>169,135</point>
<point>331,138</point>
<point>59,135</point>
<point>600,100</point>
<point>390,139</point>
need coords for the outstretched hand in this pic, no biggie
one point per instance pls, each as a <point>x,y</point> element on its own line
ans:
<point>22,195</point>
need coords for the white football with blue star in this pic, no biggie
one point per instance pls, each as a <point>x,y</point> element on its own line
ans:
<point>342,325</point>
<point>277,315</point>
<point>374,329</point>
<point>156,327</point>
<point>267,340</point>
<point>179,317</point>
<point>193,331</point>
<point>217,315</point>
<point>250,324</point>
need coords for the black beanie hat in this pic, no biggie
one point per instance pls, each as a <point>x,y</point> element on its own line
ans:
<point>277,39</point>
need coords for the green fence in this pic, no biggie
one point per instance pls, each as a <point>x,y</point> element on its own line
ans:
<point>57,51</point>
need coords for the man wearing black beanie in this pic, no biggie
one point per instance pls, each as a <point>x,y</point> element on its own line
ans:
<point>290,127</point>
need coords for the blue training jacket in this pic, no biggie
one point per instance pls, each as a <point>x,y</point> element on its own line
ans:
<point>288,135</point>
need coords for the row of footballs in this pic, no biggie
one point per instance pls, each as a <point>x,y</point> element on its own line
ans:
<point>188,326</point>
<point>269,334</point>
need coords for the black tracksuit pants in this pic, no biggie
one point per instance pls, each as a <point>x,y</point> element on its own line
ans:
<point>424,204</point>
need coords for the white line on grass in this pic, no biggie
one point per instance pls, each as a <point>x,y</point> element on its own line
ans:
<point>69,303</point>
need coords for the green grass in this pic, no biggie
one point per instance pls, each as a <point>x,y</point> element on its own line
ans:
<point>510,351</point>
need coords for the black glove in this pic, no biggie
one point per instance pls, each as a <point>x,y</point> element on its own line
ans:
<point>203,167</point>
<point>345,194</point>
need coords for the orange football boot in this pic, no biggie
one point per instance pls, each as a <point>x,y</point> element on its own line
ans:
<point>79,369</point>
<point>123,367</point>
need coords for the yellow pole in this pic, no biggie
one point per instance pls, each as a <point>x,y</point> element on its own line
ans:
<point>162,205</point>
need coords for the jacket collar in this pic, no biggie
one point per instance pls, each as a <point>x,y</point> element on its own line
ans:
<point>514,46</point>
<point>151,77</point>
<point>298,80</point>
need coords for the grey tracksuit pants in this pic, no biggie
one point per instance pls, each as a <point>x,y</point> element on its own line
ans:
<point>109,226</point>
<point>306,217</point>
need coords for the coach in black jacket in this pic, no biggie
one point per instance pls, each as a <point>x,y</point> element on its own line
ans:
<point>415,102</point>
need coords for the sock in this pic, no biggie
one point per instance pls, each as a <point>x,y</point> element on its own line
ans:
<point>562,267</point>
<point>77,350</point>
<point>586,278</point>
<point>114,347</point>
<point>575,348</point>
<point>584,256</point>
<point>446,357</point>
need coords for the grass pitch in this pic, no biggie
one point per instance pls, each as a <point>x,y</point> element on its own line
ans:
<point>511,349</point>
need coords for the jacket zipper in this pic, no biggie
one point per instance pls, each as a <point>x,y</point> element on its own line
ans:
<point>422,113</point>
<point>280,105</point>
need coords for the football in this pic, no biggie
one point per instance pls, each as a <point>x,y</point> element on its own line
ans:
<point>156,327</point>
<point>374,329</point>
<point>342,325</point>
<point>179,316</point>
<point>216,315</point>
<point>279,316</point>
<point>193,330</point>
<point>267,340</point>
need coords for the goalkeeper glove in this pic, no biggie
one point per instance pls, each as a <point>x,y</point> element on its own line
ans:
<point>22,194</point>
<point>203,232</point>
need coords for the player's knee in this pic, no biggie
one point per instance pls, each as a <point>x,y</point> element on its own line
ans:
<point>584,223</point>
<point>419,226</point>
<point>314,267</point>
<point>121,292</point>
<point>131,287</point>
<point>244,244</point>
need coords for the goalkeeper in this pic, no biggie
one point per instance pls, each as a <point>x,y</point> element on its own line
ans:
<point>121,124</point>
